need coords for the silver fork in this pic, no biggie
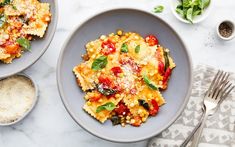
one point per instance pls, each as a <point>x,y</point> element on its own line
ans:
<point>218,90</point>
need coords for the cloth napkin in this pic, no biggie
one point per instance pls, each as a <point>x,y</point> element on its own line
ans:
<point>219,130</point>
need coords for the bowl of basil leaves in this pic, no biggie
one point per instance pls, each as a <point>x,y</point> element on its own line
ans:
<point>191,11</point>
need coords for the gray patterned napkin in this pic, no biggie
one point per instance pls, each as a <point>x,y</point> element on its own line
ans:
<point>219,130</point>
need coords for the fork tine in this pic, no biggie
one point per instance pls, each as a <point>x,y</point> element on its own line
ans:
<point>222,92</point>
<point>227,93</point>
<point>216,85</point>
<point>212,83</point>
<point>221,89</point>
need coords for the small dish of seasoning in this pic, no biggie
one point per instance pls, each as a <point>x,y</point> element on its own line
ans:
<point>18,96</point>
<point>225,30</point>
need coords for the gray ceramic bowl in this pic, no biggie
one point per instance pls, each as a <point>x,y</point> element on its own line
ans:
<point>38,46</point>
<point>144,23</point>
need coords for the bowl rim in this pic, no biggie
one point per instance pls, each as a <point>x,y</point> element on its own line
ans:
<point>65,102</point>
<point>55,17</point>
<point>35,101</point>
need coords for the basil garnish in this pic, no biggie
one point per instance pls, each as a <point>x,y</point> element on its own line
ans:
<point>108,106</point>
<point>105,91</point>
<point>158,9</point>
<point>149,83</point>
<point>99,63</point>
<point>124,48</point>
<point>24,43</point>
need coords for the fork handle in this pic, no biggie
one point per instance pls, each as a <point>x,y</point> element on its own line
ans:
<point>198,134</point>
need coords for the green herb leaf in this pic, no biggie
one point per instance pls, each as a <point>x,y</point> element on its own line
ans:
<point>204,3</point>
<point>124,48</point>
<point>105,91</point>
<point>179,11</point>
<point>167,63</point>
<point>108,106</point>
<point>99,63</point>
<point>149,83</point>
<point>5,2</point>
<point>2,20</point>
<point>186,3</point>
<point>137,49</point>
<point>14,7</point>
<point>144,104</point>
<point>24,43</point>
<point>158,9</point>
<point>189,15</point>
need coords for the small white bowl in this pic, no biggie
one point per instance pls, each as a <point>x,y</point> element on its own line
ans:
<point>35,99</point>
<point>232,25</point>
<point>196,19</point>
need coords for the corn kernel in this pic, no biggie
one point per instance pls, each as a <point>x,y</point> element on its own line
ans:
<point>140,111</point>
<point>88,103</point>
<point>149,95</point>
<point>132,104</point>
<point>128,117</point>
<point>143,119</point>
<point>117,95</point>
<point>102,37</point>
<point>100,100</point>
<point>132,121</point>
<point>119,32</point>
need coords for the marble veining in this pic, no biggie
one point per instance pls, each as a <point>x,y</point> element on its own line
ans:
<point>49,125</point>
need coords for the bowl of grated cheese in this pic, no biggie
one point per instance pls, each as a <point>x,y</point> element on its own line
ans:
<point>18,96</point>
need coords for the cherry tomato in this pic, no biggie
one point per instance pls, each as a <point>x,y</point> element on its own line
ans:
<point>129,61</point>
<point>105,80</point>
<point>108,47</point>
<point>11,48</point>
<point>161,67</point>
<point>151,40</point>
<point>122,109</point>
<point>155,108</point>
<point>116,70</point>
<point>166,75</point>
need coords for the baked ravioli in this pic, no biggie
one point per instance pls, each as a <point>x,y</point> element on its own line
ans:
<point>123,75</point>
<point>20,21</point>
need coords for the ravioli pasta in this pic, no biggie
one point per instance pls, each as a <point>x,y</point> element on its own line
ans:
<point>21,19</point>
<point>123,75</point>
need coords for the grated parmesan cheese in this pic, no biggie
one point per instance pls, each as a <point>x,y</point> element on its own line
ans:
<point>17,95</point>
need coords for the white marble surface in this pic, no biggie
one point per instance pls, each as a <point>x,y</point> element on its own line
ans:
<point>49,125</point>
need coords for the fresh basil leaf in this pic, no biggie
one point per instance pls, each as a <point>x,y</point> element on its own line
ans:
<point>137,49</point>
<point>167,62</point>
<point>108,106</point>
<point>124,48</point>
<point>189,15</point>
<point>204,3</point>
<point>180,11</point>
<point>197,12</point>
<point>186,3</point>
<point>105,91</point>
<point>5,2</point>
<point>99,63</point>
<point>149,83</point>
<point>158,9</point>
<point>24,43</point>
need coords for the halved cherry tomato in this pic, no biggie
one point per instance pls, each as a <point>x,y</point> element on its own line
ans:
<point>151,40</point>
<point>122,109</point>
<point>155,108</point>
<point>105,80</point>
<point>108,47</point>
<point>12,48</point>
<point>137,121</point>
<point>161,67</point>
<point>166,75</point>
<point>116,70</point>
